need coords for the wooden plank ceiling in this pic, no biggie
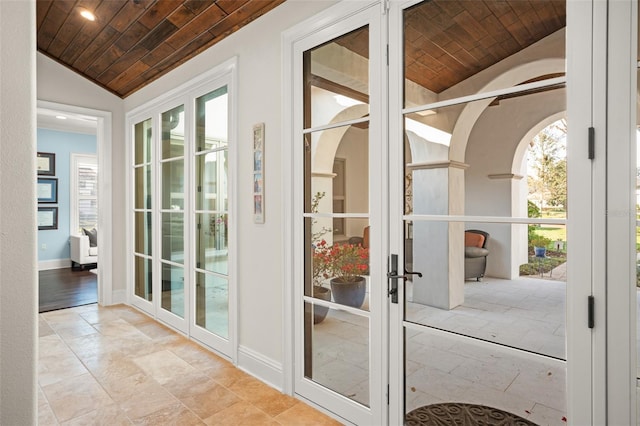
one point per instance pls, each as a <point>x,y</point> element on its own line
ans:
<point>133,42</point>
<point>448,41</point>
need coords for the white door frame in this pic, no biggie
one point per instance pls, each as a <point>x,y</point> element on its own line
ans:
<point>620,213</point>
<point>105,219</point>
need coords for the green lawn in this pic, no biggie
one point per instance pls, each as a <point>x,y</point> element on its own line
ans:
<point>553,232</point>
<point>554,258</point>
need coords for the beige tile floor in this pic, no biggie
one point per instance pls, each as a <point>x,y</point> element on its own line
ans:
<point>116,366</point>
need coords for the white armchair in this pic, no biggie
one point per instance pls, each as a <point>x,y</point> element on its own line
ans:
<point>81,253</point>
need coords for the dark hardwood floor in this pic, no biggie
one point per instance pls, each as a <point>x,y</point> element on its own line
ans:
<point>65,288</point>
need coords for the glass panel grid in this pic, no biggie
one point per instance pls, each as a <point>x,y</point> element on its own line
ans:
<point>212,177</point>
<point>212,119</point>
<point>172,288</point>
<point>173,184</point>
<point>142,187</point>
<point>143,277</point>
<point>212,242</point>
<point>212,303</point>
<point>173,133</point>
<point>142,142</point>
<point>329,99</point>
<point>496,284</point>
<point>173,236</point>
<point>336,215</point>
<point>210,218</point>
<point>337,355</point>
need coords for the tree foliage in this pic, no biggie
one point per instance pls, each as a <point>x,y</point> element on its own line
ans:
<point>548,164</point>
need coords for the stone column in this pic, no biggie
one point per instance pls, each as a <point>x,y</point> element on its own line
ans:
<point>438,247</point>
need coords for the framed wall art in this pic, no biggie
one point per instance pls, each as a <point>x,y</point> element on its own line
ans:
<point>46,164</point>
<point>47,190</point>
<point>258,173</point>
<point>47,218</point>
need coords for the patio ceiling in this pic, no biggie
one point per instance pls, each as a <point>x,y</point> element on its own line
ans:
<point>448,41</point>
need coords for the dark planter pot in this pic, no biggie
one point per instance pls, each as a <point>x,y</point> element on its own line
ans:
<point>320,312</point>
<point>540,251</point>
<point>349,293</point>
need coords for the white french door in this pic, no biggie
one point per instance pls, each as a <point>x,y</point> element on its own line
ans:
<point>339,219</point>
<point>483,325</point>
<point>183,198</point>
<point>401,160</point>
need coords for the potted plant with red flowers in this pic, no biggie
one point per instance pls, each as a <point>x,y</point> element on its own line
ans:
<point>344,264</point>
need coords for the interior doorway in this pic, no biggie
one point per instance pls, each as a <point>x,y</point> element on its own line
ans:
<point>85,120</point>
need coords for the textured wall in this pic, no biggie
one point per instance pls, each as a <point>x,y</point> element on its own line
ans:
<point>18,279</point>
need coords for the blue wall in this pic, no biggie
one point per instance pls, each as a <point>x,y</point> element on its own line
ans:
<point>62,144</point>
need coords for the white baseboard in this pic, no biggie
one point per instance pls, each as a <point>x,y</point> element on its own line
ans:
<point>44,265</point>
<point>263,368</point>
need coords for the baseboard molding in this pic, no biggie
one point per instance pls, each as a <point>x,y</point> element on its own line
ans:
<point>44,265</point>
<point>263,368</point>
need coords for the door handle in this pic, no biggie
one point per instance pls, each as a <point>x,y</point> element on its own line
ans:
<point>393,277</point>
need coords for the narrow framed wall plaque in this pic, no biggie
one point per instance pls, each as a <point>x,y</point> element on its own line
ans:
<point>258,173</point>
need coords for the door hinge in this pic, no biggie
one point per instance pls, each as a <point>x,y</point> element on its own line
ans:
<point>592,143</point>
<point>591,312</point>
<point>385,7</point>
<point>387,394</point>
<point>387,55</point>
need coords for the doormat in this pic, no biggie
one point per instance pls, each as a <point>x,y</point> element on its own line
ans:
<point>455,413</point>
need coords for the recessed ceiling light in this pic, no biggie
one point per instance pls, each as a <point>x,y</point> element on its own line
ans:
<point>61,117</point>
<point>87,15</point>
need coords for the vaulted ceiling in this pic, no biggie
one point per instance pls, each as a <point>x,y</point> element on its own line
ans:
<point>133,42</point>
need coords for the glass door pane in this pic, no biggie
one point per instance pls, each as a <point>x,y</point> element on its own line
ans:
<point>338,283</point>
<point>172,183</point>
<point>485,211</point>
<point>212,213</point>
<point>142,196</point>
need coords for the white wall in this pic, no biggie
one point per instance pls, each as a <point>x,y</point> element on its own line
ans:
<point>490,151</point>
<point>260,275</point>
<point>18,265</point>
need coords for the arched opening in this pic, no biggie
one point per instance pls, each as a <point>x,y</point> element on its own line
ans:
<point>546,171</point>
